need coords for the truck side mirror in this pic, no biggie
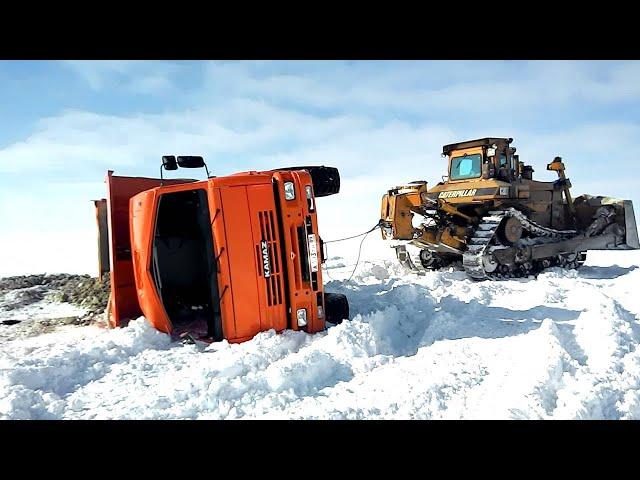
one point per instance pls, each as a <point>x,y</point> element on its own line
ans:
<point>169,162</point>
<point>190,161</point>
<point>185,161</point>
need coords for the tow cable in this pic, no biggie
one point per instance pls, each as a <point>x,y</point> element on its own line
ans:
<point>363,235</point>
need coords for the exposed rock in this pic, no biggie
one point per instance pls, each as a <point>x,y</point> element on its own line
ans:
<point>10,322</point>
<point>81,290</point>
<point>67,320</point>
<point>22,298</point>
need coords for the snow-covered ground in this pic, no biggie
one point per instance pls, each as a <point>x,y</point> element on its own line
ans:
<point>434,346</point>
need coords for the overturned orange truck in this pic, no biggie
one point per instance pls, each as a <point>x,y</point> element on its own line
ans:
<point>221,258</point>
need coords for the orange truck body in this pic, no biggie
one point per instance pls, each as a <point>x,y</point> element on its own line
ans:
<point>261,255</point>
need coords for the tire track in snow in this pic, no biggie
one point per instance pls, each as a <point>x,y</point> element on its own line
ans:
<point>609,379</point>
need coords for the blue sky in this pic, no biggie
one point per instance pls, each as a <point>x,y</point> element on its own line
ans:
<point>63,124</point>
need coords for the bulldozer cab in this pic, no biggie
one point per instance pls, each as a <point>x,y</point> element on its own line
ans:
<point>484,158</point>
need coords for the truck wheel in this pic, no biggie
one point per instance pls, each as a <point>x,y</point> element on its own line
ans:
<point>336,307</point>
<point>326,180</point>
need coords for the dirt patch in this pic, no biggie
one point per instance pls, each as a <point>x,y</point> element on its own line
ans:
<point>81,290</point>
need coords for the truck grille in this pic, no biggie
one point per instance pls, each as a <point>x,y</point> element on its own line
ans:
<point>274,278</point>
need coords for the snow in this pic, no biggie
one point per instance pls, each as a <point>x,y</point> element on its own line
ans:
<point>440,345</point>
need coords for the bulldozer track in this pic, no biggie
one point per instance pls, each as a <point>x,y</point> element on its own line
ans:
<point>474,258</point>
<point>477,260</point>
<point>534,228</point>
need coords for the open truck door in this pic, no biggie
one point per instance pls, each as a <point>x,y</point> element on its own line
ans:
<point>114,242</point>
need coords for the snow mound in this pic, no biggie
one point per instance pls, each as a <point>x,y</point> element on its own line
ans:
<point>433,346</point>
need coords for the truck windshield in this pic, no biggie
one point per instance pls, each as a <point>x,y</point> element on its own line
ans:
<point>468,166</point>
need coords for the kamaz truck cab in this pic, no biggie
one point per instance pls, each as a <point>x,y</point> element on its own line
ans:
<point>222,258</point>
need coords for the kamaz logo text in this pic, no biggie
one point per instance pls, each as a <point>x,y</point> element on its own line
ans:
<point>266,262</point>
<point>458,193</point>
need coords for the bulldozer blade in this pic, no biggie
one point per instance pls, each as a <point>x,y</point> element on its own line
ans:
<point>631,231</point>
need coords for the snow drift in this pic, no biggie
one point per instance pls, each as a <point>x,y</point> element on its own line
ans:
<point>435,346</point>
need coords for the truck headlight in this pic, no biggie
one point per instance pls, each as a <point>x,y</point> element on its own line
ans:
<point>289,191</point>
<point>309,198</point>
<point>302,316</point>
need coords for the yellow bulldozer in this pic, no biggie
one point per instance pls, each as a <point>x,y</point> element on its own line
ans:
<point>492,215</point>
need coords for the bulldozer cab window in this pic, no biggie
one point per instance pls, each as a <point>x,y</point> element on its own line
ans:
<point>507,162</point>
<point>506,167</point>
<point>468,166</point>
